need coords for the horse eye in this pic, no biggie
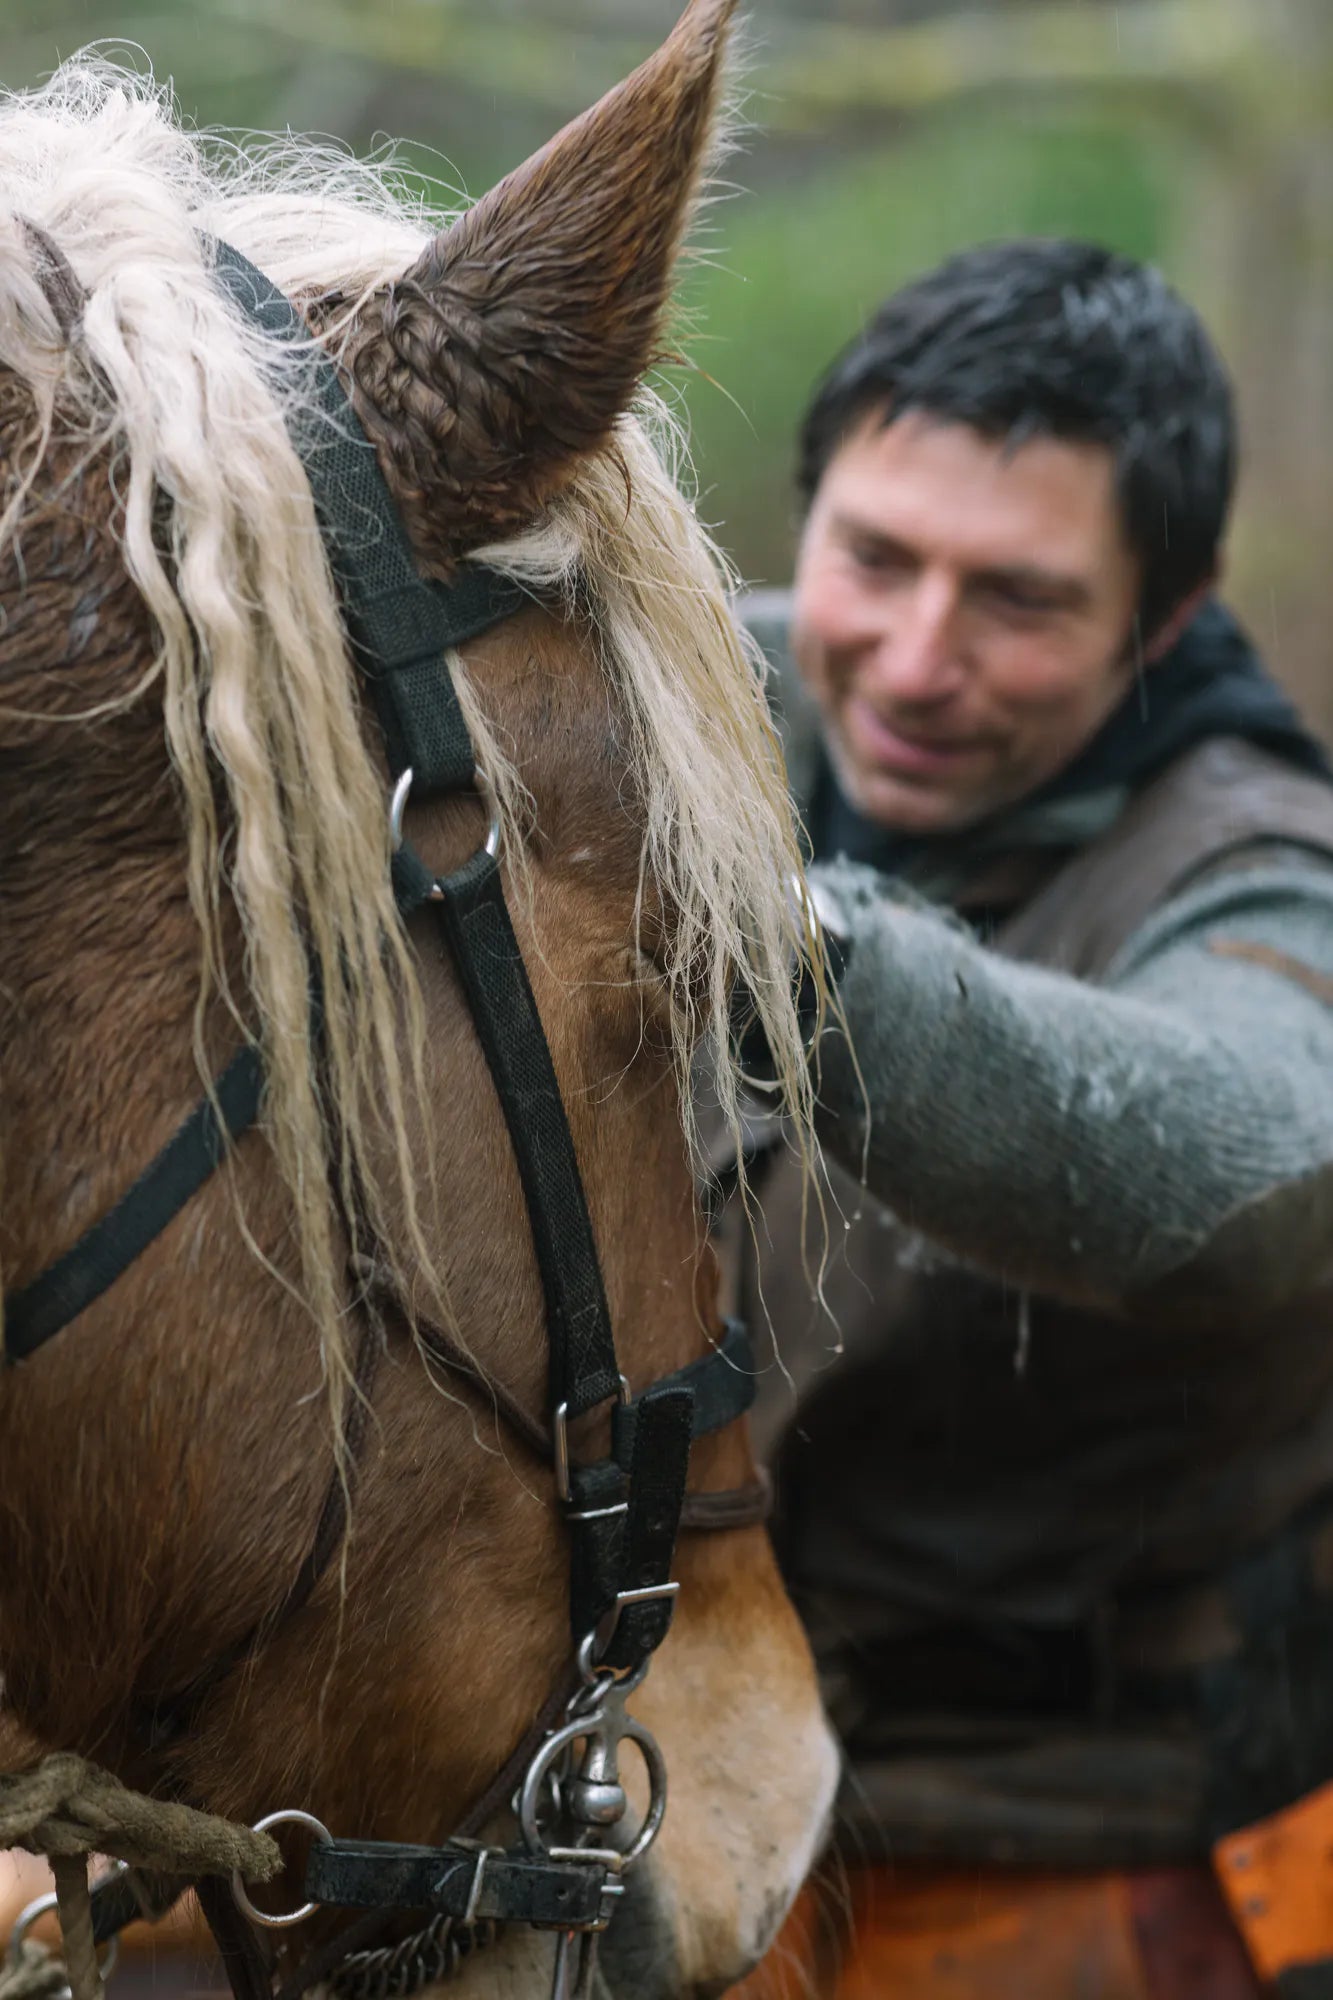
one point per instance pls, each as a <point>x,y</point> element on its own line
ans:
<point>649,969</point>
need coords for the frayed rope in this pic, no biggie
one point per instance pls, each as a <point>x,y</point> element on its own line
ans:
<point>67,1809</point>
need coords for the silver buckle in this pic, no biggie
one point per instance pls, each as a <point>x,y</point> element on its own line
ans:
<point>560,1443</point>
<point>609,1858</point>
<point>484,1856</point>
<point>590,1660</point>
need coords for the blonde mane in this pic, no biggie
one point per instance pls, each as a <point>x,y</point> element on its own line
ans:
<point>255,674</point>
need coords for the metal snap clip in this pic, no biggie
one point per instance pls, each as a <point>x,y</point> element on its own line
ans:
<point>602,1731</point>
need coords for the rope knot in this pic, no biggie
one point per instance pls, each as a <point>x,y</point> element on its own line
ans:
<point>67,1809</point>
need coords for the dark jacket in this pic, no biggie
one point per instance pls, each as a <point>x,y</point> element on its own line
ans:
<point>1055,1516</point>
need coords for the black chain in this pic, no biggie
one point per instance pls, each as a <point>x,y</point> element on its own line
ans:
<point>396,1971</point>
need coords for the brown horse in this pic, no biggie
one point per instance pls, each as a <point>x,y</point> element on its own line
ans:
<point>193,810</point>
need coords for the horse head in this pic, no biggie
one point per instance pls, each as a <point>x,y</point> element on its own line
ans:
<point>195,857</point>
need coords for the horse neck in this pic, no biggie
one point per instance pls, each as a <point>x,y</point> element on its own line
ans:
<point>97,1064</point>
<point>131,1433</point>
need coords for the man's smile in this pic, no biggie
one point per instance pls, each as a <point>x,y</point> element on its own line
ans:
<point>895,748</point>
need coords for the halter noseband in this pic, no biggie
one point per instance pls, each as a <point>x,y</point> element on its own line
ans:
<point>624,1511</point>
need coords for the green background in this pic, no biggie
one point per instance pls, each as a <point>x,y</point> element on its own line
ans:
<point>881,135</point>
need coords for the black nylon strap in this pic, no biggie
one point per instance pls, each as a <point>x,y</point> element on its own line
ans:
<point>723,1383</point>
<point>400,624</point>
<point>479,933</point>
<point>360,1874</point>
<point>114,1904</point>
<point>658,1472</point>
<point>92,1265</point>
<point>623,1521</point>
<point>723,1380</point>
<point>596,1516</point>
<point>413,883</point>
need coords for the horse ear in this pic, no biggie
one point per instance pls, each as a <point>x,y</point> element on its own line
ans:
<point>517,339</point>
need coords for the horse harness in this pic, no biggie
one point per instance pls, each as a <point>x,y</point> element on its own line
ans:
<point>562,1783</point>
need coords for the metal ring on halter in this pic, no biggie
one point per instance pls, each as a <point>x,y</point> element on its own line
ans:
<point>282,1920</point>
<point>398,806</point>
<point>560,1740</point>
<point>42,1906</point>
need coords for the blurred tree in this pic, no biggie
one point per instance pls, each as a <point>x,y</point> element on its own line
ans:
<point>884,133</point>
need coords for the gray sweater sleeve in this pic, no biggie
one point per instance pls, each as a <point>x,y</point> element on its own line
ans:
<point>1169,1133</point>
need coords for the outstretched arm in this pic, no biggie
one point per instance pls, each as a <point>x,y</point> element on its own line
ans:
<point>1171,1131</point>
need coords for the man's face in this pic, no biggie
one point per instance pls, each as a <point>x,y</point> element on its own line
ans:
<point>962,616</point>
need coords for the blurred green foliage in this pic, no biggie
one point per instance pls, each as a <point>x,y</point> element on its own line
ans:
<point>802,268</point>
<point>884,133</point>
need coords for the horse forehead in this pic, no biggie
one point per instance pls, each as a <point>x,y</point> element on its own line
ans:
<point>558,710</point>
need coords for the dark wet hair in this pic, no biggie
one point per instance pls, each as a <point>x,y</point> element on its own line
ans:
<point>1042,338</point>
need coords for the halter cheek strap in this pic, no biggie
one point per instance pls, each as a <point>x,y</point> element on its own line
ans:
<point>401,627</point>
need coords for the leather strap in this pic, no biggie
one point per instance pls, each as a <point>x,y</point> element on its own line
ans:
<point>454,1882</point>
<point>243,1957</point>
<point>1305,976</point>
<point>731,1510</point>
<point>131,1896</point>
<point>106,1251</point>
<point>722,1382</point>
<point>400,624</point>
<point>479,933</point>
<point>658,1470</point>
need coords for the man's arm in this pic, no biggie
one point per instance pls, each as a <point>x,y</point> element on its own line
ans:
<point>1171,1132</point>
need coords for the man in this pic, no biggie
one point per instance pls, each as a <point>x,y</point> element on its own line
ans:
<point>1059,1514</point>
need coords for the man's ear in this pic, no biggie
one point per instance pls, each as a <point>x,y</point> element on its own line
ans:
<point>521,333</point>
<point>1166,635</point>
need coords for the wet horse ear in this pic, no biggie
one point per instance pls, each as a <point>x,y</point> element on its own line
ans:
<point>517,339</point>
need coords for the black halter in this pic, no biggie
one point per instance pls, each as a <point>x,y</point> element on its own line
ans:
<point>624,1511</point>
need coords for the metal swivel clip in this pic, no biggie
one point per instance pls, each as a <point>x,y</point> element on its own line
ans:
<point>572,1800</point>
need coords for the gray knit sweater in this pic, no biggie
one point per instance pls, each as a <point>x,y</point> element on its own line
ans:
<point>1173,1125</point>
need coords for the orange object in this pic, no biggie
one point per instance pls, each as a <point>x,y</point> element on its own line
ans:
<point>1277,1876</point>
<point>887,1933</point>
